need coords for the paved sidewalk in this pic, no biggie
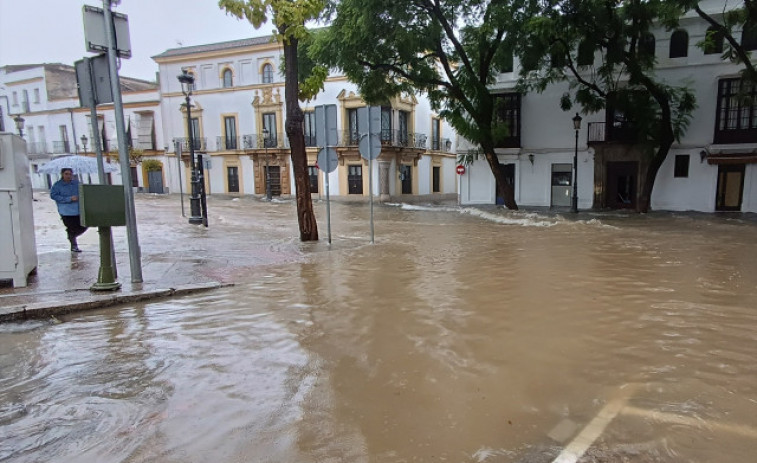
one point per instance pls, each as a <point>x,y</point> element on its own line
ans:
<point>176,257</point>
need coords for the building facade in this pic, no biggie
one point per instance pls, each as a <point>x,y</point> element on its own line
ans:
<point>712,168</point>
<point>45,96</point>
<point>238,97</point>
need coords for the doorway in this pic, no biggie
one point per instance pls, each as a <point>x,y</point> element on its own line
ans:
<point>622,178</point>
<point>155,181</point>
<point>730,187</point>
<point>406,177</point>
<point>562,181</point>
<point>355,180</point>
<point>273,173</point>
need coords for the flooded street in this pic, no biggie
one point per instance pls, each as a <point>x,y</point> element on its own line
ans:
<point>462,335</point>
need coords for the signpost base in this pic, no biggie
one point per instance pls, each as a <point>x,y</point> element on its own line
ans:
<point>106,280</point>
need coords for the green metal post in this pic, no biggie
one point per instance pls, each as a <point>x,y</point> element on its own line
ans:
<point>106,280</point>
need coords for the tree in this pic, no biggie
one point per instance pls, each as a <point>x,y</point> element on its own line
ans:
<point>619,74</point>
<point>289,17</point>
<point>735,15</point>
<point>451,50</point>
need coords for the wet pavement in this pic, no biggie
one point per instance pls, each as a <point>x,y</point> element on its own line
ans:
<point>176,257</point>
<point>472,335</point>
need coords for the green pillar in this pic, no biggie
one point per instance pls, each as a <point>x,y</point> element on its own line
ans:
<point>106,280</point>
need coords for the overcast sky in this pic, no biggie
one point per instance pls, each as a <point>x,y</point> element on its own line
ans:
<point>51,31</point>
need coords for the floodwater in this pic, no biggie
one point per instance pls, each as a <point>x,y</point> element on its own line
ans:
<point>460,336</point>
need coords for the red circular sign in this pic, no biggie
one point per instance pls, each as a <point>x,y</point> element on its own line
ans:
<point>460,170</point>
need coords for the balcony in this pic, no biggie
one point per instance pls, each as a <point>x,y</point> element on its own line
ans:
<point>199,144</point>
<point>258,141</point>
<point>60,147</point>
<point>389,138</point>
<point>600,133</point>
<point>36,147</point>
<point>228,143</point>
<point>441,144</point>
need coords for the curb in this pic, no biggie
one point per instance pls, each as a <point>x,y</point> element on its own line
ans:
<point>44,310</point>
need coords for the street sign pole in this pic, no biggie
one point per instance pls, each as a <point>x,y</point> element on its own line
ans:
<point>123,152</point>
<point>328,200</point>
<point>326,138</point>
<point>369,123</point>
<point>177,149</point>
<point>370,176</point>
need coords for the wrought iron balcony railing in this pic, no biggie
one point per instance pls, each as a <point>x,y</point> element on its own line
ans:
<point>395,138</point>
<point>60,147</point>
<point>37,147</point>
<point>258,141</point>
<point>228,143</point>
<point>199,144</point>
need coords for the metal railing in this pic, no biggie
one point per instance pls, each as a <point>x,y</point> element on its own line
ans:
<point>199,144</point>
<point>228,143</point>
<point>37,147</point>
<point>395,138</point>
<point>596,132</point>
<point>258,141</point>
<point>144,145</point>
<point>60,147</point>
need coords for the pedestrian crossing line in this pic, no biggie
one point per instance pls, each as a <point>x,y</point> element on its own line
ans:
<point>672,418</point>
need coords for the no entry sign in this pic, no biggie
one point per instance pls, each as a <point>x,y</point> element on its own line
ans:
<point>460,170</point>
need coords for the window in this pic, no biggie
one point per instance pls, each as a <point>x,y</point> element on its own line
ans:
<point>557,58</point>
<point>646,45</point>
<point>403,117</point>
<point>353,126</point>
<point>25,101</point>
<point>681,166</point>
<point>146,131</point>
<point>436,179</point>
<point>355,179</point>
<point>313,174</point>
<point>267,74</point>
<point>232,177</point>
<point>269,123</point>
<point>15,99</point>
<point>749,36</point>
<point>386,124</point>
<point>436,127</point>
<point>679,44</point>
<point>309,128</point>
<point>36,95</point>
<point>195,135</point>
<point>736,116</point>
<point>230,131</point>
<point>228,79</point>
<point>507,117</point>
<point>2,120</point>
<point>713,42</point>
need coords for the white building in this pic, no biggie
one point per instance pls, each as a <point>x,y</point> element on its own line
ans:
<point>239,92</point>
<point>713,168</point>
<point>45,96</point>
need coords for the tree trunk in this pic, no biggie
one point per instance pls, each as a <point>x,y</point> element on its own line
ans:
<point>296,134</point>
<point>503,188</point>
<point>647,184</point>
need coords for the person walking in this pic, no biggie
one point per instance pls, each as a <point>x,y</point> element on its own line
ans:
<point>65,193</point>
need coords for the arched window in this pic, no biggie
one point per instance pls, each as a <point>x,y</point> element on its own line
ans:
<point>228,79</point>
<point>647,44</point>
<point>267,74</point>
<point>714,42</point>
<point>679,44</point>
<point>749,36</point>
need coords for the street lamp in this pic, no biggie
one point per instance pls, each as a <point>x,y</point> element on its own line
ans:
<point>574,202</point>
<point>195,218</point>
<point>267,170</point>
<point>19,124</point>
<point>84,142</point>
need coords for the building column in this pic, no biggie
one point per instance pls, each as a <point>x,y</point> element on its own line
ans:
<point>384,168</point>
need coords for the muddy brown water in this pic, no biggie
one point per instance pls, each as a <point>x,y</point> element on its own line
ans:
<point>461,336</point>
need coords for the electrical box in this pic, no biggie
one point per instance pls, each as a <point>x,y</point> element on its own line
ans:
<point>102,205</point>
<point>18,246</point>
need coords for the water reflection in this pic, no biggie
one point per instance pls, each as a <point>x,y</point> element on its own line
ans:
<point>462,335</point>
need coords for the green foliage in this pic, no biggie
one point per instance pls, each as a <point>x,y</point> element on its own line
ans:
<point>152,165</point>
<point>450,50</point>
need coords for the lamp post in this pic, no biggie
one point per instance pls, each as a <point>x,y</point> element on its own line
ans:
<point>84,142</point>
<point>195,217</point>
<point>574,202</point>
<point>266,133</point>
<point>19,124</point>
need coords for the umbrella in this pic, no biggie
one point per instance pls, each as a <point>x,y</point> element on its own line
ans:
<point>79,164</point>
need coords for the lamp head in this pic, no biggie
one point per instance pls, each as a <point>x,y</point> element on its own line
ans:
<point>187,81</point>
<point>265,132</point>
<point>577,122</point>
<point>19,122</point>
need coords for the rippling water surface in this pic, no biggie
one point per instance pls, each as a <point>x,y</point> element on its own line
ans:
<point>461,335</point>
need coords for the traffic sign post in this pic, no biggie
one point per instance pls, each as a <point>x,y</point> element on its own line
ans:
<point>326,139</point>
<point>369,123</point>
